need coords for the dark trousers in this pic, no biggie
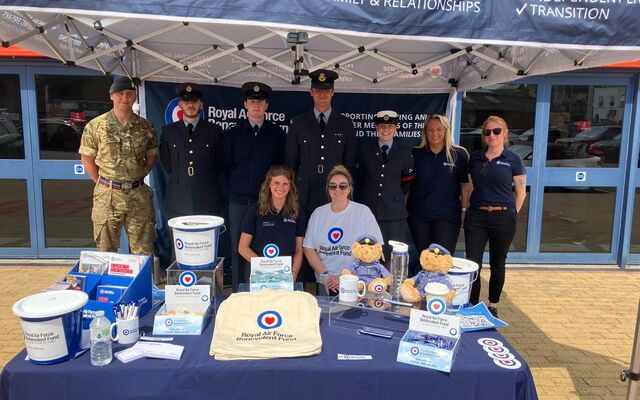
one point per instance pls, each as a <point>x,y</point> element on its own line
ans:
<point>236,218</point>
<point>499,228</point>
<point>424,233</point>
<point>392,230</point>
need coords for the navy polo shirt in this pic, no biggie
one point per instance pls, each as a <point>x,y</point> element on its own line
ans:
<point>435,190</point>
<point>493,180</point>
<point>273,229</point>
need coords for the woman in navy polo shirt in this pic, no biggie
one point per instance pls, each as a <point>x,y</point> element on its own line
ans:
<point>275,220</point>
<point>495,172</point>
<point>440,181</point>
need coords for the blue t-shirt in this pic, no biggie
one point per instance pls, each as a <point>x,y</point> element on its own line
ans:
<point>435,190</point>
<point>493,180</point>
<point>273,229</point>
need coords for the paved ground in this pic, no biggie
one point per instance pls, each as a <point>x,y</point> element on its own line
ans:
<point>574,328</point>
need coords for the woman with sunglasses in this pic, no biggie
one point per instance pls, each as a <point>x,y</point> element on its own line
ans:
<point>439,188</point>
<point>383,174</point>
<point>334,227</point>
<point>275,219</point>
<point>495,173</point>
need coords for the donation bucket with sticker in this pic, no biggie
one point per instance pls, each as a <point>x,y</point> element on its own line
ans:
<point>195,239</point>
<point>52,324</point>
<point>462,275</point>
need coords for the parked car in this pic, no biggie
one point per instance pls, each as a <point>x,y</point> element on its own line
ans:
<point>608,150</point>
<point>60,134</point>
<point>556,157</point>
<point>528,136</point>
<point>579,144</point>
<point>11,141</point>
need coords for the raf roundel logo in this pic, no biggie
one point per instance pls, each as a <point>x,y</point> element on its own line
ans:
<point>271,251</point>
<point>179,244</point>
<point>436,306</point>
<point>335,234</point>
<point>187,279</point>
<point>378,288</point>
<point>168,322</point>
<point>415,351</point>
<point>173,112</point>
<point>269,320</point>
<point>125,332</point>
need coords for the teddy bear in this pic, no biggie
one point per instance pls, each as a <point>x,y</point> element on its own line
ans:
<point>435,262</point>
<point>366,266</point>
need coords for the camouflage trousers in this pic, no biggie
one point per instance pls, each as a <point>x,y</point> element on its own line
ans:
<point>133,209</point>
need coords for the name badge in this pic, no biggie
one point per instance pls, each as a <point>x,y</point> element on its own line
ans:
<point>268,223</point>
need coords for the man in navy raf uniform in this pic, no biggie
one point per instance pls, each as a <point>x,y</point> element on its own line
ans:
<point>250,148</point>
<point>191,154</point>
<point>317,141</point>
<point>382,175</point>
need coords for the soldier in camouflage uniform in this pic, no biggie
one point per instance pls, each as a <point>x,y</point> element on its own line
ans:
<point>118,150</point>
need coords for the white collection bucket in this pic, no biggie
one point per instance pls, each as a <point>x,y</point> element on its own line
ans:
<point>462,275</point>
<point>52,324</point>
<point>195,239</point>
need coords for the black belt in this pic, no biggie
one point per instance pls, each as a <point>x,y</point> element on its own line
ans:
<point>119,185</point>
<point>493,208</point>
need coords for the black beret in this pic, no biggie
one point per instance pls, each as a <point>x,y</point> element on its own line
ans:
<point>122,84</point>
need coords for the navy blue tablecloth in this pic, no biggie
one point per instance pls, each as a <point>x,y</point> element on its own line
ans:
<point>198,376</point>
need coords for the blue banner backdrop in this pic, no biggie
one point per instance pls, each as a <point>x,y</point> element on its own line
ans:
<point>223,105</point>
<point>570,22</point>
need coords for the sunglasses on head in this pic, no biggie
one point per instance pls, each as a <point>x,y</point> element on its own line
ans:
<point>495,131</point>
<point>342,186</point>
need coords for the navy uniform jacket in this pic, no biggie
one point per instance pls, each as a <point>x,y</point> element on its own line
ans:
<point>312,153</point>
<point>193,165</point>
<point>379,185</point>
<point>248,157</point>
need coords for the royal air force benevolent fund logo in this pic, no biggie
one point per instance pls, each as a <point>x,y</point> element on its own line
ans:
<point>270,251</point>
<point>436,306</point>
<point>173,113</point>
<point>335,234</point>
<point>269,320</point>
<point>179,244</point>
<point>187,279</point>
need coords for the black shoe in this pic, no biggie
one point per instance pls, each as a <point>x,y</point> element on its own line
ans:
<point>493,311</point>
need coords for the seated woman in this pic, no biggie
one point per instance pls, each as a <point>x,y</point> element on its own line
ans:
<point>275,220</point>
<point>334,227</point>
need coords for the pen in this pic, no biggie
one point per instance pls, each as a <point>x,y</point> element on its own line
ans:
<point>397,303</point>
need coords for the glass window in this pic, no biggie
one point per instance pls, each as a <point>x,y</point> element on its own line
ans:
<point>14,214</point>
<point>67,213</point>
<point>65,105</point>
<point>584,130</point>
<point>11,133</point>
<point>635,227</point>
<point>516,103</point>
<point>577,221</point>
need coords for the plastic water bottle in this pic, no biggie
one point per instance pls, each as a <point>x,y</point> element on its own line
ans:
<point>399,267</point>
<point>100,340</point>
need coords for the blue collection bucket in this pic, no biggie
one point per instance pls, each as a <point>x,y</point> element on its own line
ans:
<point>462,275</point>
<point>52,324</point>
<point>195,239</point>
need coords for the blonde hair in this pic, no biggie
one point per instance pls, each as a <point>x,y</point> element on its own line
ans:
<point>340,170</point>
<point>449,146</point>
<point>503,125</point>
<point>291,207</point>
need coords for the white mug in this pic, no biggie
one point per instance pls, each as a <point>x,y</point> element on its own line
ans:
<point>349,292</point>
<point>128,330</point>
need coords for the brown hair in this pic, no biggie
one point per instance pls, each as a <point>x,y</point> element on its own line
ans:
<point>291,207</point>
<point>449,146</point>
<point>503,125</point>
<point>340,170</point>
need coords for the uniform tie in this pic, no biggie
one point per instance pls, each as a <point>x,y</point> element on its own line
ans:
<point>321,122</point>
<point>256,128</point>
<point>384,148</point>
<point>190,129</point>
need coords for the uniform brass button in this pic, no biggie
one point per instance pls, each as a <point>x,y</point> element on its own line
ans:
<point>381,175</point>
<point>190,140</point>
<point>379,194</point>
<point>322,158</point>
<point>322,136</point>
<point>207,145</point>
<point>322,147</point>
<point>381,185</point>
<point>190,151</point>
<point>382,165</point>
<point>190,162</point>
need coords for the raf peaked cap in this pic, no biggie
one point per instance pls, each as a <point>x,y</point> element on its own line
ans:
<point>256,90</point>
<point>386,117</point>
<point>189,91</point>
<point>122,84</point>
<point>323,78</point>
<point>367,240</point>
